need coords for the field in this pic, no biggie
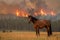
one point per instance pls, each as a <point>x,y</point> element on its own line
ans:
<point>20,35</point>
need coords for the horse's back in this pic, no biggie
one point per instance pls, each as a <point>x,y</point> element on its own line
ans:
<point>42,23</point>
<point>45,22</point>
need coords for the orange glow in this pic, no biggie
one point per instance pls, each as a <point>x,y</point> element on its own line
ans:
<point>17,13</point>
<point>35,14</point>
<point>43,12</point>
<point>52,13</point>
<point>21,13</point>
<point>40,12</point>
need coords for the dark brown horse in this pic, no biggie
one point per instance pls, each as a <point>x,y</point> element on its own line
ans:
<point>39,24</point>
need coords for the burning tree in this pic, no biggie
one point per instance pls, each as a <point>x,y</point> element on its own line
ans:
<point>21,13</point>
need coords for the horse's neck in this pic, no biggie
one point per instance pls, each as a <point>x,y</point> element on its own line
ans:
<point>33,21</point>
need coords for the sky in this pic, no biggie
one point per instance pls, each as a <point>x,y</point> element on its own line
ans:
<point>9,6</point>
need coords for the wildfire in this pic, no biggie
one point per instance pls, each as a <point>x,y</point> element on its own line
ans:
<point>40,12</point>
<point>35,14</point>
<point>17,13</point>
<point>43,12</point>
<point>52,13</point>
<point>21,13</point>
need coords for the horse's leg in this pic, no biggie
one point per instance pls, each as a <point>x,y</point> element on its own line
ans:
<point>37,31</point>
<point>50,30</point>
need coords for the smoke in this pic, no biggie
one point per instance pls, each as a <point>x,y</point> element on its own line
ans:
<point>28,5</point>
<point>35,5</point>
<point>9,6</point>
<point>55,4</point>
<point>12,1</point>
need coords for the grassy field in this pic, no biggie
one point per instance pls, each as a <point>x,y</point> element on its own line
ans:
<point>28,36</point>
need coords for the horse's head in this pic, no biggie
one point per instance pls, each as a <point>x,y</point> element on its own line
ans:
<point>32,19</point>
<point>29,16</point>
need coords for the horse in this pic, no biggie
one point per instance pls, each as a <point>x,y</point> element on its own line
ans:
<point>39,24</point>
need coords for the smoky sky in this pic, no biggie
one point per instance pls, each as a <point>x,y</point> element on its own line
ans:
<point>9,6</point>
<point>55,4</point>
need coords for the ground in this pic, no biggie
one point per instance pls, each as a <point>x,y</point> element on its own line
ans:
<point>25,35</point>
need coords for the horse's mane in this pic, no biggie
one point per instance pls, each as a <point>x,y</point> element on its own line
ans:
<point>33,18</point>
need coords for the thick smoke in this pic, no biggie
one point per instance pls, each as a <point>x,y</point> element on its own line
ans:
<point>55,4</point>
<point>35,5</point>
<point>52,4</point>
<point>10,6</point>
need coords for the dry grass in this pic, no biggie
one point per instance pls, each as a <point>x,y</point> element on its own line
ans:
<point>28,36</point>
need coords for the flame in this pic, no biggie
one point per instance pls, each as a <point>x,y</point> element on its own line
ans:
<point>40,12</point>
<point>35,14</point>
<point>17,13</point>
<point>43,12</point>
<point>24,14</point>
<point>52,13</point>
<point>21,13</point>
